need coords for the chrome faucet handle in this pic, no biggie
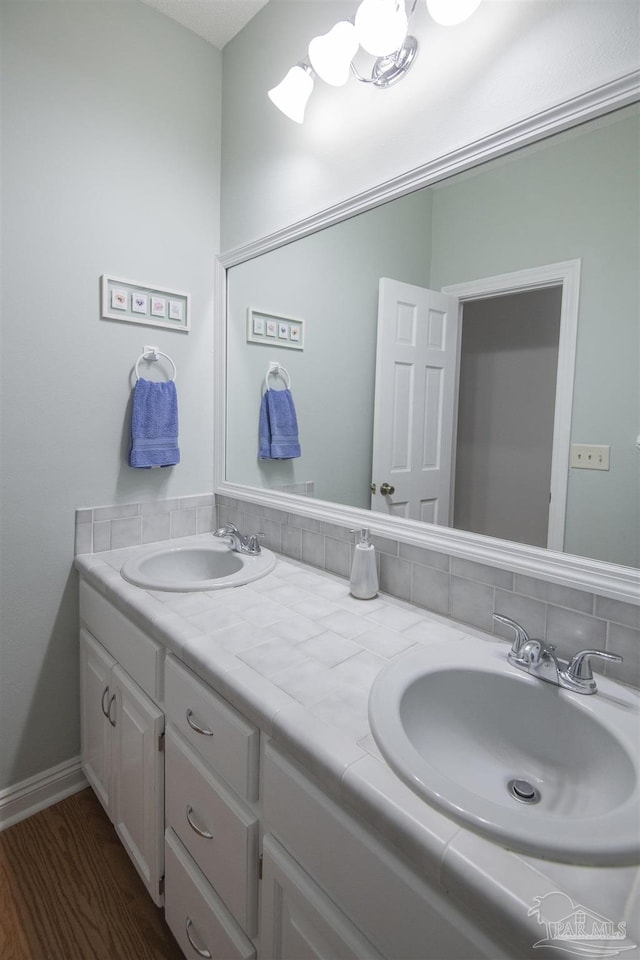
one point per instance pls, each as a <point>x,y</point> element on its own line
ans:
<point>252,542</point>
<point>579,676</point>
<point>520,638</point>
<point>227,527</point>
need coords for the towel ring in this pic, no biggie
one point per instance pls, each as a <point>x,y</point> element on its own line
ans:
<point>277,370</point>
<point>153,354</point>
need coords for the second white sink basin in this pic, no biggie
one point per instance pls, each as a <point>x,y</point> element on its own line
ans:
<point>207,566</point>
<point>541,770</point>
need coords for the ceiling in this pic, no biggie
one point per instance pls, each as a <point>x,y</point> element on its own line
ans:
<point>217,21</point>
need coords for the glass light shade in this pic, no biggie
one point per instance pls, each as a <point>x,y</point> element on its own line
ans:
<point>292,93</point>
<point>381,26</point>
<point>332,53</point>
<point>451,12</point>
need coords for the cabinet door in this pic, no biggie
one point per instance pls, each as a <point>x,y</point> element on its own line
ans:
<point>138,779</point>
<point>96,702</point>
<point>298,921</point>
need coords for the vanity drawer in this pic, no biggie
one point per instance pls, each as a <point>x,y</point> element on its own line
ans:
<point>138,654</point>
<point>218,732</point>
<point>196,916</point>
<point>219,833</point>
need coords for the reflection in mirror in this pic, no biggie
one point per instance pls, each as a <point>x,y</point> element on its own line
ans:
<point>571,198</point>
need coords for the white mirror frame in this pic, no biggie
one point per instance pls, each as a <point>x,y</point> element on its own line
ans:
<point>605,579</point>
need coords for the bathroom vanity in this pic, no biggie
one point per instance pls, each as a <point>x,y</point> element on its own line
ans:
<point>226,734</point>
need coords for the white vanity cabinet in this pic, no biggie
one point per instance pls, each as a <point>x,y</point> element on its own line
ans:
<point>326,873</point>
<point>122,732</point>
<point>212,836</point>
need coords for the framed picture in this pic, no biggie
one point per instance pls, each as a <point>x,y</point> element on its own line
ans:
<point>139,303</point>
<point>158,306</point>
<point>143,303</point>
<point>266,327</point>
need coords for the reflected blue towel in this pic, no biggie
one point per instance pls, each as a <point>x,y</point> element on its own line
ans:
<point>278,430</point>
<point>154,425</point>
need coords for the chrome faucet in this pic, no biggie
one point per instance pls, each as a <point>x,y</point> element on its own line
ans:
<point>538,658</point>
<point>237,541</point>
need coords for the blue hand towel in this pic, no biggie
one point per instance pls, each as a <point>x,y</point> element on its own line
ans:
<point>154,425</point>
<point>278,426</point>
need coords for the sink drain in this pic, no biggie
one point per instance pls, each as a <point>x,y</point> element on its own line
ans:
<point>523,791</point>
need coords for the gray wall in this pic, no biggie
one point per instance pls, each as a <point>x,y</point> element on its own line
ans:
<point>110,164</point>
<point>509,61</point>
<point>330,281</point>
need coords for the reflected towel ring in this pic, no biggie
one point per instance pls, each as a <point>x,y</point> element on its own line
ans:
<point>151,354</point>
<point>277,370</point>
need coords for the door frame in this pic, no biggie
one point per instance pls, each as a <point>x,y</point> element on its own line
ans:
<point>565,274</point>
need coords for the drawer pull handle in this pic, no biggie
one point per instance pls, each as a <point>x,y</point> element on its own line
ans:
<point>111,701</point>
<point>197,727</point>
<point>194,826</point>
<point>199,950</point>
<point>104,693</point>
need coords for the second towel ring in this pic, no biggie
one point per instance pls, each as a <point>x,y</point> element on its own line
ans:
<point>277,370</point>
<point>152,355</point>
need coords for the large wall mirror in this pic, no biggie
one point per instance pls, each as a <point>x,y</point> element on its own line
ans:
<point>537,252</point>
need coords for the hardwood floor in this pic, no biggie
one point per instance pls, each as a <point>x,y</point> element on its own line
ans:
<point>68,891</point>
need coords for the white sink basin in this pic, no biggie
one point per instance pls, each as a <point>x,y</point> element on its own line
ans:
<point>459,724</point>
<point>207,566</point>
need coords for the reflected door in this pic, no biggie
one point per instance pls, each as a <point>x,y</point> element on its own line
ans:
<point>415,398</point>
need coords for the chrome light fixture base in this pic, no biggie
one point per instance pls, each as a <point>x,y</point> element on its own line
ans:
<point>388,70</point>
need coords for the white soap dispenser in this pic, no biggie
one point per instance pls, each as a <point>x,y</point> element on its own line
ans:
<point>364,574</point>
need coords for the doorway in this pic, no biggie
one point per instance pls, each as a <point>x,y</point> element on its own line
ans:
<point>505,419</point>
<point>564,276</point>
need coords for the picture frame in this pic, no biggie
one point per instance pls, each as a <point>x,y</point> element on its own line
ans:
<point>132,302</point>
<point>266,328</point>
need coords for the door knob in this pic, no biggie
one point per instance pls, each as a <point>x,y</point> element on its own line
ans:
<point>386,489</point>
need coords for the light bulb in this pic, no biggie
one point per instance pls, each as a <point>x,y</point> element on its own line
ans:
<point>292,93</point>
<point>381,26</point>
<point>332,53</point>
<point>449,13</point>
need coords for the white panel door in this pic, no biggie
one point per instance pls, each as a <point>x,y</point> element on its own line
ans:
<point>138,779</point>
<point>96,705</point>
<point>415,402</point>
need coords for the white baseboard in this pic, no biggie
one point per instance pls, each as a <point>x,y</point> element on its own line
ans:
<point>43,790</point>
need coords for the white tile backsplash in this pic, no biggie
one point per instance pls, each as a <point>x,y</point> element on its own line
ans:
<point>465,591</point>
<point>292,608</point>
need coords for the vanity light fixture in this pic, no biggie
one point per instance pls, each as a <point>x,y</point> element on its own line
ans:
<point>292,93</point>
<point>380,27</point>
<point>331,54</point>
<point>450,13</point>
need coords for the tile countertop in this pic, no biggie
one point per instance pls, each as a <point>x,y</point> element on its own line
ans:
<point>297,655</point>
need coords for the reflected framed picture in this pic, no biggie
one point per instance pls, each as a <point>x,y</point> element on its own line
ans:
<point>266,327</point>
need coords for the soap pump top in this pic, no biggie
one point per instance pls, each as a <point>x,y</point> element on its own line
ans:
<point>364,574</point>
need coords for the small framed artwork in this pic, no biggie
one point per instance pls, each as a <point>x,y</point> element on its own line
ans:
<point>136,302</point>
<point>139,302</point>
<point>266,327</point>
<point>176,310</point>
<point>118,299</point>
<point>158,306</point>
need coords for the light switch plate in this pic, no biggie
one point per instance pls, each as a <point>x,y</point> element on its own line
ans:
<point>590,456</point>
